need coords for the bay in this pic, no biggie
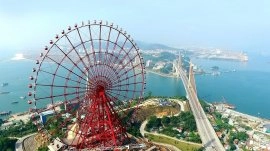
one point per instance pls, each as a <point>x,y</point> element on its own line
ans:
<point>247,88</point>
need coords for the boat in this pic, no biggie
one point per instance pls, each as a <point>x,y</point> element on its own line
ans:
<point>14,102</point>
<point>23,97</point>
<point>5,113</point>
<point>227,105</point>
<point>4,92</point>
<point>4,84</point>
<point>216,73</point>
<point>214,68</point>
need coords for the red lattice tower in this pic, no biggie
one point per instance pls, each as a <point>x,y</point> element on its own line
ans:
<point>86,86</point>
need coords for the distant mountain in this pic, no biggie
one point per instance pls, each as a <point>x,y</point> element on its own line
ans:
<point>144,45</point>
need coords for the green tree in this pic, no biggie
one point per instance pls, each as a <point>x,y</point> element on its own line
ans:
<point>153,122</point>
<point>205,106</point>
<point>7,144</point>
<point>149,95</point>
<point>1,121</point>
<point>194,137</point>
<point>165,120</point>
<point>217,115</point>
<point>201,149</point>
<point>174,120</point>
<point>233,147</point>
<point>226,120</point>
<point>45,148</point>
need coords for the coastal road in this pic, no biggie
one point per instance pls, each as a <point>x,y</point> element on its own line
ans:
<point>208,135</point>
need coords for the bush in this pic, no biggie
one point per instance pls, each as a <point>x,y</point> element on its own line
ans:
<point>7,144</point>
<point>19,131</point>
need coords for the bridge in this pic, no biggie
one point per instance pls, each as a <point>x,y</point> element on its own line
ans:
<point>208,135</point>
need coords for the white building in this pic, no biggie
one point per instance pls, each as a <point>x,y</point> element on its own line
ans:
<point>266,128</point>
<point>56,145</point>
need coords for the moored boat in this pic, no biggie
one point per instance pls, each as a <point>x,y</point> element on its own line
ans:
<point>4,92</point>
<point>14,102</point>
<point>5,113</point>
<point>4,84</point>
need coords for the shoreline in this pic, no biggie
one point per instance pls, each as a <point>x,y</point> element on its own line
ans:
<point>161,74</point>
<point>247,115</point>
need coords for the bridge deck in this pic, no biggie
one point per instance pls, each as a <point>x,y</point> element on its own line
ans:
<point>208,135</point>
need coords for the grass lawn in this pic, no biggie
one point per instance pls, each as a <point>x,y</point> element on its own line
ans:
<point>181,145</point>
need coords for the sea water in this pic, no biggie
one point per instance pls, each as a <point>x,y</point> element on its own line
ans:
<point>243,84</point>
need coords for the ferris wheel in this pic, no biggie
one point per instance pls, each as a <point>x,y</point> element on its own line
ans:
<point>87,82</point>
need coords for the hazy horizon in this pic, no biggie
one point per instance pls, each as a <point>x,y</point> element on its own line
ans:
<point>236,25</point>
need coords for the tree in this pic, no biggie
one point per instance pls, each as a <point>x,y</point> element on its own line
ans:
<point>45,148</point>
<point>1,121</point>
<point>194,137</point>
<point>226,120</point>
<point>174,120</point>
<point>239,135</point>
<point>205,106</point>
<point>165,120</point>
<point>218,115</point>
<point>7,143</point>
<point>153,122</point>
<point>149,95</point>
<point>201,149</point>
<point>233,147</point>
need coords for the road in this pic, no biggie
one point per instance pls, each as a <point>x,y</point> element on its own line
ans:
<point>143,132</point>
<point>19,146</point>
<point>207,133</point>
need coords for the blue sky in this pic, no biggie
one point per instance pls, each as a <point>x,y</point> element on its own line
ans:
<point>230,24</point>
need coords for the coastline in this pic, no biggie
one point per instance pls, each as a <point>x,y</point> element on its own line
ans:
<point>250,117</point>
<point>161,74</point>
<point>246,115</point>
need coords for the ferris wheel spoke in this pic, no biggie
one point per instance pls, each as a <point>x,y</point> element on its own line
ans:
<point>129,84</point>
<point>107,45</point>
<point>125,90</point>
<point>129,69</point>
<point>124,57</point>
<point>125,65</point>
<point>59,86</point>
<point>122,94</point>
<point>59,64</point>
<point>85,66</point>
<point>121,48</point>
<point>114,47</point>
<point>85,50</point>
<point>119,54</point>
<point>119,94</point>
<point>59,95</point>
<point>114,102</point>
<point>99,42</point>
<point>92,45</point>
<point>66,55</point>
<point>116,41</point>
<point>69,79</point>
<point>127,78</point>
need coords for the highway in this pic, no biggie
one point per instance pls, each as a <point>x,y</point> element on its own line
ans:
<point>208,135</point>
